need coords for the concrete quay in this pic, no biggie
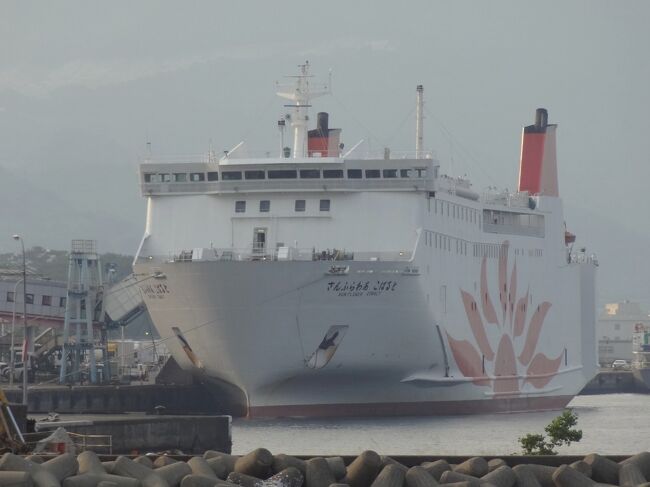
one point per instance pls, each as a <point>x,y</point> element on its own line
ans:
<point>616,381</point>
<point>115,399</point>
<point>130,433</point>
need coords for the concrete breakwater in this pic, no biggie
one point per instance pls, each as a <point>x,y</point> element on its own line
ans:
<point>260,468</point>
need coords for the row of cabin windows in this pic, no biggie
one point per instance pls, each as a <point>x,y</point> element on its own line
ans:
<point>284,174</point>
<point>29,299</point>
<point>177,177</point>
<point>531,252</point>
<point>265,206</point>
<point>458,212</point>
<point>444,242</point>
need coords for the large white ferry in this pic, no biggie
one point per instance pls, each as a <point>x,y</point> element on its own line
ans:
<point>320,282</point>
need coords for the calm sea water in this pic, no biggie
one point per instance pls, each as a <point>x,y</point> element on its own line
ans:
<point>611,424</point>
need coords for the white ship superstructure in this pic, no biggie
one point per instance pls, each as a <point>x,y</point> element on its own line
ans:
<point>319,282</point>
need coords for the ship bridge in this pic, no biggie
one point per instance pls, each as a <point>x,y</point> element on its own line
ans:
<point>281,174</point>
<point>287,209</point>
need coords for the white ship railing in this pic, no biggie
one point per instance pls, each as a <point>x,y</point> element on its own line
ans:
<point>505,198</point>
<point>408,184</point>
<point>280,254</point>
<point>217,156</point>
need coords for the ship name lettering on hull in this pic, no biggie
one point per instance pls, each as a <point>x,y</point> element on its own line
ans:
<point>360,288</point>
<point>155,291</point>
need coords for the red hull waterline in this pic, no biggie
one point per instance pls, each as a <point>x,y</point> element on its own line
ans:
<point>431,408</point>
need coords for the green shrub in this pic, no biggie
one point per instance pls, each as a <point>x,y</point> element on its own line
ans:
<point>560,432</point>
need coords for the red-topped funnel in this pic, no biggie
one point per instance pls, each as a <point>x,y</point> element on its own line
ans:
<point>323,141</point>
<point>538,166</point>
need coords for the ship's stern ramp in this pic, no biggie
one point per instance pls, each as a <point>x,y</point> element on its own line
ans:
<point>123,301</point>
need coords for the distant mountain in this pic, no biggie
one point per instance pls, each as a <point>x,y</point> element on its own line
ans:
<point>53,264</point>
<point>37,210</point>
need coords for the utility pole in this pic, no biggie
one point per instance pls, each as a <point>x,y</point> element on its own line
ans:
<point>25,342</point>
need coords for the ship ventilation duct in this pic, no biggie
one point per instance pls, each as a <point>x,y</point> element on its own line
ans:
<point>538,165</point>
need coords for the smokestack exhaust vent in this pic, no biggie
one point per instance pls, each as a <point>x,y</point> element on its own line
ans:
<point>541,118</point>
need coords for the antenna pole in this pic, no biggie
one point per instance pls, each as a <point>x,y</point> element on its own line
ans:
<point>418,121</point>
<point>281,125</point>
<point>301,94</point>
<point>300,115</point>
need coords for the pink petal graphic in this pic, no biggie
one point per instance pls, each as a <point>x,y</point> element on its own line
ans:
<point>503,277</point>
<point>506,365</point>
<point>512,292</point>
<point>488,309</point>
<point>545,367</point>
<point>468,360</point>
<point>534,329</point>
<point>477,325</point>
<point>520,315</point>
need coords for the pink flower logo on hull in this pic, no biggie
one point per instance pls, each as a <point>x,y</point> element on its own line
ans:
<point>492,358</point>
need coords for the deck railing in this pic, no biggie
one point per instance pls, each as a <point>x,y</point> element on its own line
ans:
<point>279,254</point>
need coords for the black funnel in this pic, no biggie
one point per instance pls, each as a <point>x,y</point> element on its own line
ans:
<point>322,123</point>
<point>541,118</point>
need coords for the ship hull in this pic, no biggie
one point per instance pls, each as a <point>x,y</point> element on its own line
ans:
<point>262,326</point>
<point>421,408</point>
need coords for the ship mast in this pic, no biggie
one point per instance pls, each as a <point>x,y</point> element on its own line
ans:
<point>418,121</point>
<point>301,94</point>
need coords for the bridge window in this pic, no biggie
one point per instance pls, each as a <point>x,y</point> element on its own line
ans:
<point>333,173</point>
<point>240,207</point>
<point>230,175</point>
<point>390,173</point>
<point>310,173</point>
<point>10,296</point>
<point>300,205</point>
<point>180,177</point>
<point>62,302</point>
<point>213,176</point>
<point>149,177</point>
<point>404,173</point>
<point>354,174</point>
<point>324,205</point>
<point>283,174</point>
<point>46,300</point>
<point>254,174</point>
<point>197,176</point>
<point>372,173</point>
<point>29,298</point>
<point>265,206</point>
<point>165,178</point>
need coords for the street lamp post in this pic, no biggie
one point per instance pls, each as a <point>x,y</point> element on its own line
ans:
<point>25,350</point>
<point>13,329</point>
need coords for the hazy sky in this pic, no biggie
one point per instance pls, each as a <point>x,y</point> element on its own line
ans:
<point>84,85</point>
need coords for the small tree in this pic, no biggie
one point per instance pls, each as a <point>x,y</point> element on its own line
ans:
<point>560,432</point>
